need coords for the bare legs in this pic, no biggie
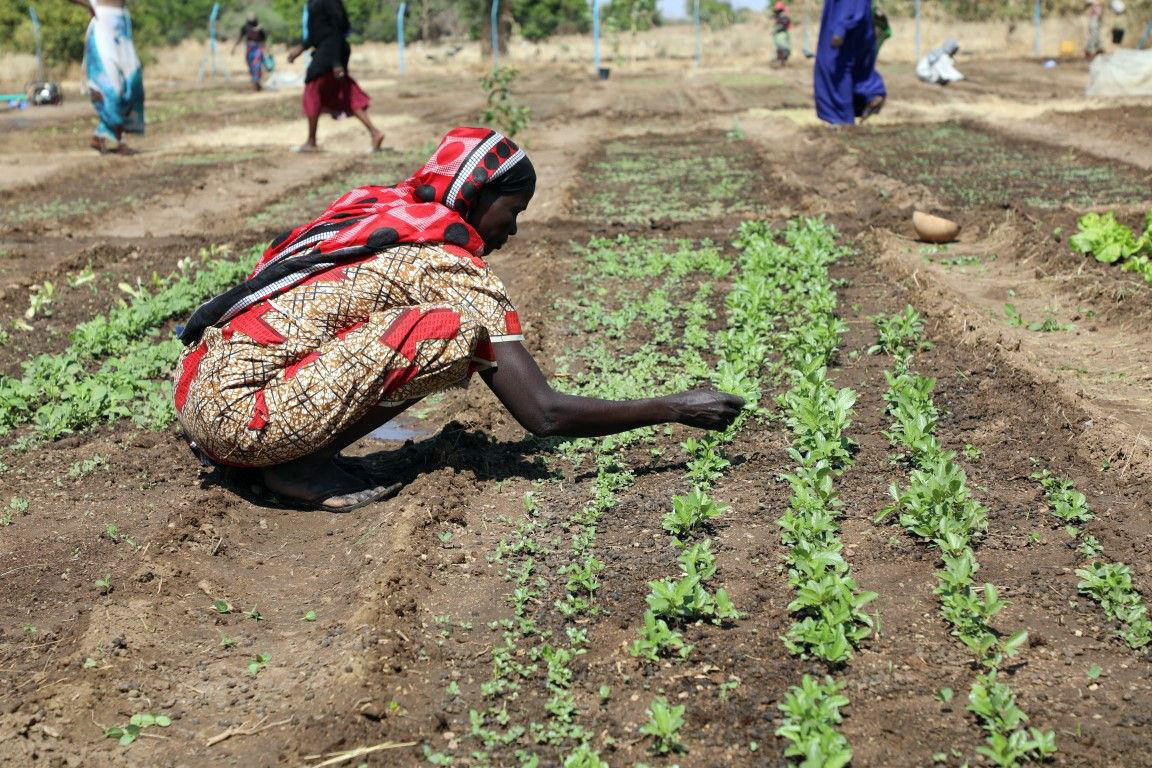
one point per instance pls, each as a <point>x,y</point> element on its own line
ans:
<point>310,144</point>
<point>313,121</point>
<point>316,478</point>
<point>377,135</point>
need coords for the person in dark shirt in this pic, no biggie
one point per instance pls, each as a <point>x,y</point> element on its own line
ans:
<point>327,85</point>
<point>254,37</point>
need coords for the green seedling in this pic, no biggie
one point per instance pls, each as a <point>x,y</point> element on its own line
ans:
<point>309,616</point>
<point>127,734</point>
<point>104,584</point>
<point>254,614</point>
<point>1094,672</point>
<point>944,695</point>
<point>258,663</point>
<point>972,453</point>
<point>664,724</point>
<point>222,606</point>
<point>691,513</point>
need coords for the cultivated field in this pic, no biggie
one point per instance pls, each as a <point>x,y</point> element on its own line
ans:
<point>926,543</point>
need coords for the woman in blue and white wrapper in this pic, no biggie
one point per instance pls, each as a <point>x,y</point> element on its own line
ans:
<point>112,69</point>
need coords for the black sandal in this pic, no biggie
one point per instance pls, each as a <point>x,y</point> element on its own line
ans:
<point>316,503</point>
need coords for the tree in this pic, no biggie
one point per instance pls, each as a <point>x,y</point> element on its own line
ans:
<point>631,15</point>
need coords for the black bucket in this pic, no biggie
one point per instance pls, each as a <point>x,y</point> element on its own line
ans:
<point>603,73</point>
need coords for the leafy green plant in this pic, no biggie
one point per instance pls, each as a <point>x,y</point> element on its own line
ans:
<point>664,724</point>
<point>258,663</point>
<point>127,734</point>
<point>1101,236</point>
<point>691,513</point>
<point>502,111</point>
<point>1110,584</point>
<point>811,714</point>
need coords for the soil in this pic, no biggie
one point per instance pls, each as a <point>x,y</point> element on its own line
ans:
<point>403,591</point>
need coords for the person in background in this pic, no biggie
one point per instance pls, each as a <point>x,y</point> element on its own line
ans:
<point>254,37</point>
<point>112,69</point>
<point>939,66</point>
<point>781,38</point>
<point>1093,11</point>
<point>846,83</point>
<point>327,85</point>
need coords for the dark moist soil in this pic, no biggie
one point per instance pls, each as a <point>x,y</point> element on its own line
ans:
<point>968,166</point>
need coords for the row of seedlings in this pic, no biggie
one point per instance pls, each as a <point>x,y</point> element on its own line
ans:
<point>614,267</point>
<point>115,365</point>
<point>1108,584</point>
<point>791,282</point>
<point>937,506</point>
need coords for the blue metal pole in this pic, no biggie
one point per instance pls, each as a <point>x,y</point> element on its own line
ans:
<point>596,36</point>
<point>917,30</point>
<point>400,34</point>
<point>212,35</point>
<point>36,34</point>
<point>1036,23</point>
<point>699,40</point>
<point>495,34</point>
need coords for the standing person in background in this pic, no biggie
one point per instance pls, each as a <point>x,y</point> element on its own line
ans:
<point>254,37</point>
<point>1092,45</point>
<point>781,23</point>
<point>112,70</point>
<point>327,85</point>
<point>846,83</point>
<point>939,67</point>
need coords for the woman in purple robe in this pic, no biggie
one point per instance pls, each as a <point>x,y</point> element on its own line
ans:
<point>846,82</point>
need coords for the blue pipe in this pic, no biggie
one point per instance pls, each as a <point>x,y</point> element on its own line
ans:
<point>917,30</point>
<point>699,40</point>
<point>596,35</point>
<point>495,34</point>
<point>1036,22</point>
<point>400,34</point>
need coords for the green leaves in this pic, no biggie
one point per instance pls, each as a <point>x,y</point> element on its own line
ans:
<point>691,513</point>
<point>1110,584</point>
<point>1100,235</point>
<point>664,724</point>
<point>66,392</point>
<point>129,733</point>
<point>811,714</point>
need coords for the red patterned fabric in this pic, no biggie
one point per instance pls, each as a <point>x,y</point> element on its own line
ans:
<point>429,207</point>
<point>337,96</point>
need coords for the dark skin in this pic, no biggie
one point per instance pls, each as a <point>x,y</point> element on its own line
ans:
<point>519,385</point>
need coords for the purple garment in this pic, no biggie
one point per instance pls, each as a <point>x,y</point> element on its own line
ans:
<point>845,78</point>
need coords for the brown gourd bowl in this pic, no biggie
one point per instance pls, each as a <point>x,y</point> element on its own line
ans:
<point>934,229</point>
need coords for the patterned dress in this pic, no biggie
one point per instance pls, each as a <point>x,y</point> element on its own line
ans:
<point>383,299</point>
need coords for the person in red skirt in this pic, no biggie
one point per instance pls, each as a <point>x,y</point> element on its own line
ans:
<point>327,85</point>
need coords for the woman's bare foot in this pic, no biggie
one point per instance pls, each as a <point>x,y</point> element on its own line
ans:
<point>872,108</point>
<point>99,144</point>
<point>318,483</point>
<point>307,146</point>
<point>377,140</point>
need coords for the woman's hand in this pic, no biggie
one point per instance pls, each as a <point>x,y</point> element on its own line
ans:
<point>707,408</point>
<point>294,53</point>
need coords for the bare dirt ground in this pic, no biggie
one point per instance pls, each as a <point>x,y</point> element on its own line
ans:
<point>403,591</point>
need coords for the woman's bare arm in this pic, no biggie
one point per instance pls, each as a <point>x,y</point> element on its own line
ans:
<point>520,385</point>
